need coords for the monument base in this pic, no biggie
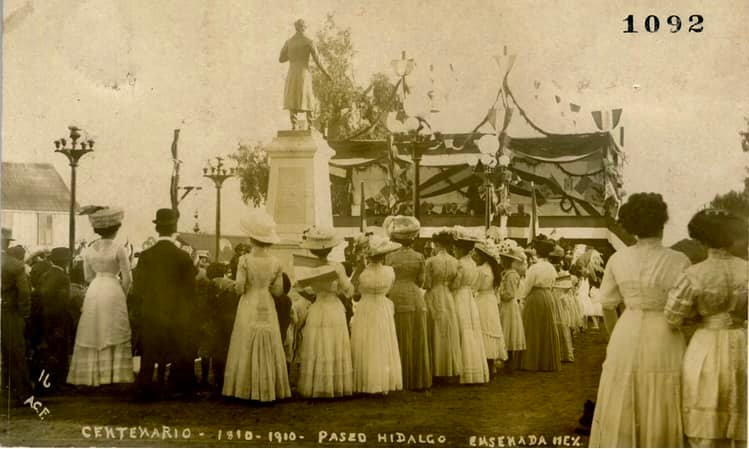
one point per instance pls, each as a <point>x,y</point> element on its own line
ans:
<point>298,188</point>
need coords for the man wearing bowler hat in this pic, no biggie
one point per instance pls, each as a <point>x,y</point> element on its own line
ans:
<point>164,287</point>
<point>15,307</point>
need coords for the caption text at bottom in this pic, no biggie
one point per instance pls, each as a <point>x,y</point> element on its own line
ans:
<point>322,437</point>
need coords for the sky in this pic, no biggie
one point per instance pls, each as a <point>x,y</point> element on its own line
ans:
<point>130,72</point>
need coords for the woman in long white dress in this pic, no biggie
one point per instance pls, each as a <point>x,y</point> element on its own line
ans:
<point>444,333</point>
<point>256,362</point>
<point>326,370</point>
<point>374,342</point>
<point>475,369</point>
<point>486,255</point>
<point>639,394</point>
<point>509,308</point>
<point>714,385</point>
<point>103,348</point>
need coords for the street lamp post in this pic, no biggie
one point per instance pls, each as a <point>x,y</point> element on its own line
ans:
<point>74,153</point>
<point>411,134</point>
<point>218,174</point>
<point>493,156</point>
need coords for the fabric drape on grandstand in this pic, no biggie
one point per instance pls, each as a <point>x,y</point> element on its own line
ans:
<point>571,168</point>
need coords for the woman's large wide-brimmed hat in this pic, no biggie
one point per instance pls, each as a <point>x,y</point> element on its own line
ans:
<point>489,249</point>
<point>510,249</point>
<point>260,226</point>
<point>465,234</point>
<point>320,238</point>
<point>106,217</point>
<point>401,227</point>
<point>380,245</point>
<point>310,276</point>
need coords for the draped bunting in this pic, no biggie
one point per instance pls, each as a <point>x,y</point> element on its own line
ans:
<point>616,115</point>
<point>577,172</point>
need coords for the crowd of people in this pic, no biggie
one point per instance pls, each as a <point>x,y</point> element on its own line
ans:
<point>465,309</point>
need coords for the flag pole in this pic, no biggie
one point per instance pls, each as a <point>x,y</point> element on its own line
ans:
<point>362,211</point>
<point>534,214</point>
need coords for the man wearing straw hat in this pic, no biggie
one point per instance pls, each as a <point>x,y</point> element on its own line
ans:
<point>14,310</point>
<point>165,287</point>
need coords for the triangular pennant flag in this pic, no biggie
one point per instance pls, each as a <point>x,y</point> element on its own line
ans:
<point>598,119</point>
<point>491,117</point>
<point>574,107</point>
<point>616,115</point>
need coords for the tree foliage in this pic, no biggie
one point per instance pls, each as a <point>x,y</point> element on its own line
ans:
<point>253,169</point>
<point>345,107</point>
<point>734,201</point>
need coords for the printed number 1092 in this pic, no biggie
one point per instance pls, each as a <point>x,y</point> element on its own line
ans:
<point>653,23</point>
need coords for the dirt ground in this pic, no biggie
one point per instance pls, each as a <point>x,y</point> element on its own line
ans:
<point>513,406</point>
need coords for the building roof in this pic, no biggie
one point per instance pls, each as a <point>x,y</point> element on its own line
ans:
<point>33,187</point>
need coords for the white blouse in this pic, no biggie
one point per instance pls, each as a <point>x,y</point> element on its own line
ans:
<point>541,274</point>
<point>641,276</point>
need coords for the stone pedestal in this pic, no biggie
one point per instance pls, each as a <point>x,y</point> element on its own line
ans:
<point>298,187</point>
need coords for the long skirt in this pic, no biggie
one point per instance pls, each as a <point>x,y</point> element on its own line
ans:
<point>714,387</point>
<point>639,394</point>
<point>411,329</point>
<point>103,349</point>
<point>562,319</point>
<point>491,326</point>
<point>512,325</point>
<point>256,362</point>
<point>374,346</point>
<point>326,370</point>
<point>444,332</point>
<point>475,369</point>
<point>542,350</point>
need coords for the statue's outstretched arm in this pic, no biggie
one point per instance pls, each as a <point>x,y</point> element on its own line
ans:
<point>319,65</point>
<point>284,56</point>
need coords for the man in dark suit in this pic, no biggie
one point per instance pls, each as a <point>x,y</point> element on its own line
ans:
<point>164,287</point>
<point>15,307</point>
<point>55,323</point>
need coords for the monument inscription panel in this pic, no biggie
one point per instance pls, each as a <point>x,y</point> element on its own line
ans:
<point>292,190</point>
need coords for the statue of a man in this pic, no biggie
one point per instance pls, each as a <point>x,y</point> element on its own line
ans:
<point>297,95</point>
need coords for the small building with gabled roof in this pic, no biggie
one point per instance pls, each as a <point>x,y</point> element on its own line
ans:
<point>35,204</point>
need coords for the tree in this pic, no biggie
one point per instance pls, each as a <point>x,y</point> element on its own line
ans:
<point>734,201</point>
<point>253,169</point>
<point>344,107</point>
